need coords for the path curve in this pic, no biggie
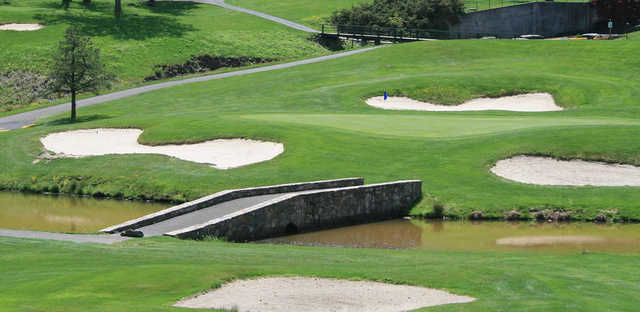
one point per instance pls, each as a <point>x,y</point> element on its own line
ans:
<point>276,19</point>
<point>18,121</point>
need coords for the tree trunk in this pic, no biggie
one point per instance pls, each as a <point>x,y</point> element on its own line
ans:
<point>86,1</point>
<point>118,8</point>
<point>73,105</point>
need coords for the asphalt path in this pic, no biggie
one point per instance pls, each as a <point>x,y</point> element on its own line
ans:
<point>76,238</point>
<point>18,121</point>
<point>204,215</point>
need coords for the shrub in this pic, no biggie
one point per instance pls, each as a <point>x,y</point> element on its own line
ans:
<point>422,14</point>
<point>20,88</point>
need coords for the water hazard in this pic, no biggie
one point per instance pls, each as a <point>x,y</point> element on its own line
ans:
<point>477,236</point>
<point>67,214</point>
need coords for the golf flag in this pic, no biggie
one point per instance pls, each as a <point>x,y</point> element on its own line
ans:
<point>385,95</point>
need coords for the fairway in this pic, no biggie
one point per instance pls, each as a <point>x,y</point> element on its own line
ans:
<point>431,126</point>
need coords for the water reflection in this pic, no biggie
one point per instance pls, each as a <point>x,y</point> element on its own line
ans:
<point>67,214</point>
<point>477,236</point>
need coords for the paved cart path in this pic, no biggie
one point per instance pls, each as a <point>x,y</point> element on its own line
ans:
<point>203,215</point>
<point>76,238</point>
<point>23,119</point>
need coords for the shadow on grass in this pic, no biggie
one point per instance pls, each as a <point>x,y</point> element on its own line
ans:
<point>167,7</point>
<point>78,4</point>
<point>79,119</point>
<point>126,27</point>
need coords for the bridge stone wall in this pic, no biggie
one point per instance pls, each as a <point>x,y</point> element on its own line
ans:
<point>538,18</point>
<point>228,195</point>
<point>313,210</point>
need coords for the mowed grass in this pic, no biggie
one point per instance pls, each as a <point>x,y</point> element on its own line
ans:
<point>318,112</point>
<point>169,32</point>
<point>307,12</point>
<point>153,274</point>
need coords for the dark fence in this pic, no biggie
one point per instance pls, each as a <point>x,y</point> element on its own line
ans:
<point>402,34</point>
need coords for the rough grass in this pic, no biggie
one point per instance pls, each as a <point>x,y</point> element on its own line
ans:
<point>168,33</point>
<point>318,112</point>
<point>152,274</point>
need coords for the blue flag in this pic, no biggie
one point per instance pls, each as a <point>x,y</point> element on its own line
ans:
<point>385,95</point>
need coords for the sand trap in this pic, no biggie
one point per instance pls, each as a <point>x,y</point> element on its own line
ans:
<point>532,102</point>
<point>21,27</point>
<point>527,241</point>
<point>319,295</point>
<point>550,171</point>
<point>221,154</point>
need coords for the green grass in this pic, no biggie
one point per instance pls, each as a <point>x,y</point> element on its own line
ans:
<point>307,12</point>
<point>146,36</point>
<point>318,112</point>
<point>152,274</point>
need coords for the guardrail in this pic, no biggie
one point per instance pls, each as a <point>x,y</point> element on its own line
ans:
<point>402,34</point>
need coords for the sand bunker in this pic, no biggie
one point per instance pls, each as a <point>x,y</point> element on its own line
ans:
<point>221,154</point>
<point>21,27</point>
<point>319,295</point>
<point>526,241</point>
<point>550,171</point>
<point>533,102</point>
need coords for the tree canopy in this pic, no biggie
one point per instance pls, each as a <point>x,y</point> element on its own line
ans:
<point>77,67</point>
<point>423,14</point>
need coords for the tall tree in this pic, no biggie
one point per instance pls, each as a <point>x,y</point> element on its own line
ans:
<point>118,7</point>
<point>77,67</point>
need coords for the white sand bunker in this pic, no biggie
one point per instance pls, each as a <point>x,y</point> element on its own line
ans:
<point>21,27</point>
<point>532,102</point>
<point>527,241</point>
<point>550,171</point>
<point>221,154</point>
<point>319,295</point>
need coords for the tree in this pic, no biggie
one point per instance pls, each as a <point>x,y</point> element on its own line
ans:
<point>619,11</point>
<point>77,67</point>
<point>118,7</point>
<point>423,14</point>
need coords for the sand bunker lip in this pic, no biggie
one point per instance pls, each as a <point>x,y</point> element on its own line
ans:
<point>531,102</point>
<point>319,295</point>
<point>21,27</point>
<point>551,171</point>
<point>221,154</point>
<point>530,241</point>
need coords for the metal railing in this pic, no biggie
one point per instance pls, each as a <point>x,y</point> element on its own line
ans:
<point>403,34</point>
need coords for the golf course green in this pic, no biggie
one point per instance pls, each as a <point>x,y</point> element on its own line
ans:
<point>318,112</point>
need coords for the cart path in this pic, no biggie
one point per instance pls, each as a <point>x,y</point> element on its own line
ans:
<point>76,238</point>
<point>18,121</point>
<point>276,19</point>
<point>204,215</point>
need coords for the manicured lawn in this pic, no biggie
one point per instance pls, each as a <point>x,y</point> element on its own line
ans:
<point>318,112</point>
<point>145,36</point>
<point>152,274</point>
<point>308,12</point>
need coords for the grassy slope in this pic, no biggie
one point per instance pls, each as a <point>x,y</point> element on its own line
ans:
<point>170,32</point>
<point>308,12</point>
<point>452,155</point>
<point>152,274</point>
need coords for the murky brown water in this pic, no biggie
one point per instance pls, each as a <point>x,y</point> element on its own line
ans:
<point>67,214</point>
<point>477,236</point>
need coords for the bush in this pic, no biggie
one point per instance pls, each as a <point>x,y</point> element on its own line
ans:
<point>203,63</point>
<point>422,14</point>
<point>20,88</point>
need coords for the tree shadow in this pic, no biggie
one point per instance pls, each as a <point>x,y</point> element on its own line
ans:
<point>93,6</point>
<point>123,27</point>
<point>167,7</point>
<point>79,119</point>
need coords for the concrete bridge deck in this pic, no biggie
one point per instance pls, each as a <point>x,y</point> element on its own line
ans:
<point>204,215</point>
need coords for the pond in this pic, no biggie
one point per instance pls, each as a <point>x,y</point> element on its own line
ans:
<point>477,236</point>
<point>21,211</point>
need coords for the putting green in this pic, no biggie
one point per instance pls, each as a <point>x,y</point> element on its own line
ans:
<point>431,126</point>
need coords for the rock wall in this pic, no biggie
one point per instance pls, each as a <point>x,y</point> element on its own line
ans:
<point>313,210</point>
<point>535,18</point>
<point>228,195</point>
